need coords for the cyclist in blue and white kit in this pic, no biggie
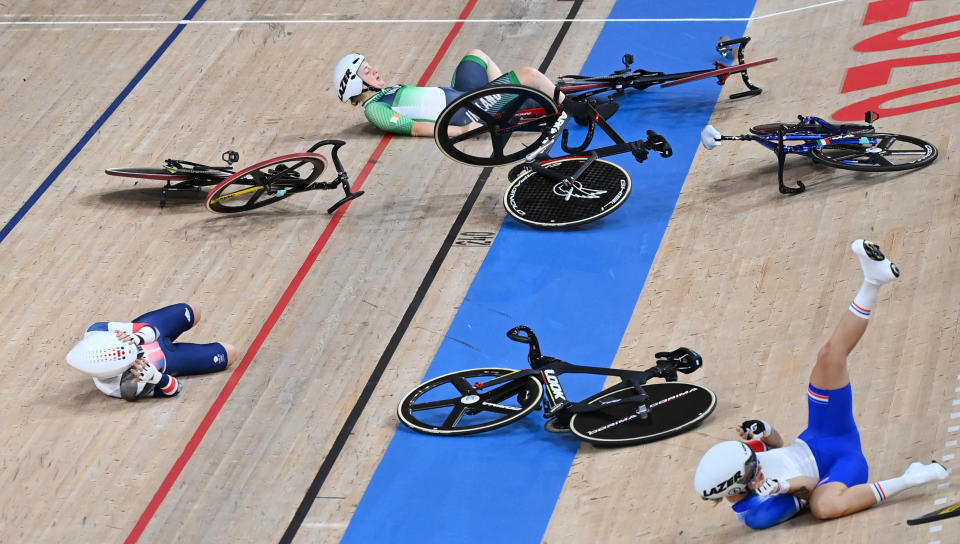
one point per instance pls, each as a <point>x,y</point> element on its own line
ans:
<point>412,111</point>
<point>825,467</point>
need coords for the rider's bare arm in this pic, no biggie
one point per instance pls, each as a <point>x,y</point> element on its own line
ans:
<point>773,440</point>
<point>800,486</point>
<point>424,129</point>
<point>452,130</point>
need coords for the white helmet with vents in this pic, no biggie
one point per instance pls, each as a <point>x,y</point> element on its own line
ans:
<point>102,355</point>
<point>725,470</point>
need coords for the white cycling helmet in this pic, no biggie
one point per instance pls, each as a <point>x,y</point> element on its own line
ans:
<point>102,355</point>
<point>725,470</point>
<point>346,82</point>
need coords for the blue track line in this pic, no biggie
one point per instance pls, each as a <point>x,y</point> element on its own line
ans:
<point>576,289</point>
<point>28,205</point>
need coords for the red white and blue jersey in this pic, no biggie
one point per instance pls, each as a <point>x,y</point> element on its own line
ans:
<point>168,386</point>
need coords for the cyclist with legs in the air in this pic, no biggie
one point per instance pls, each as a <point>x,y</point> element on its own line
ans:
<point>410,110</point>
<point>824,468</point>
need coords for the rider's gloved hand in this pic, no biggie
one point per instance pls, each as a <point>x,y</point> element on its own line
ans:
<point>773,487</point>
<point>754,428</point>
<point>145,372</point>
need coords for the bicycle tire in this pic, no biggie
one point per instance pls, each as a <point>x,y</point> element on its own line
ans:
<point>812,129</point>
<point>445,409</point>
<point>257,186</point>
<point>536,200</point>
<point>875,154</point>
<point>494,142</point>
<point>674,407</point>
<point>197,177</point>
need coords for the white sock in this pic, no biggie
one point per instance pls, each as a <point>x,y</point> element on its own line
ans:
<point>916,474</point>
<point>877,271</point>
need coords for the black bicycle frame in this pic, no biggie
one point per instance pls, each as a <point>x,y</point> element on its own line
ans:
<point>640,79</point>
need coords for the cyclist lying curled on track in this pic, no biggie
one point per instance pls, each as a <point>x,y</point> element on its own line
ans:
<point>411,111</point>
<point>132,360</point>
<point>824,468</point>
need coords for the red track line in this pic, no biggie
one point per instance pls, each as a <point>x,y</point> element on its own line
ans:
<point>274,316</point>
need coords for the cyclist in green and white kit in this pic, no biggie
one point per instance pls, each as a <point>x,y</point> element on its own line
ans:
<point>412,111</point>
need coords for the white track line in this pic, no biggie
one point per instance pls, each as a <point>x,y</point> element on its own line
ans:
<point>409,21</point>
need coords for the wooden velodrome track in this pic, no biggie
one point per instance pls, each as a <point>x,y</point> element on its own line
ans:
<point>753,280</point>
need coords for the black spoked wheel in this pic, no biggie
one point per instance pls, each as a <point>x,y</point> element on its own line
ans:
<point>813,129</point>
<point>452,405</point>
<point>674,407</point>
<point>540,201</point>
<point>505,123</point>
<point>265,183</point>
<point>876,153</point>
<point>194,176</point>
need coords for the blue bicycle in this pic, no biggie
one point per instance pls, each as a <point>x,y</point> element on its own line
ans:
<point>847,146</point>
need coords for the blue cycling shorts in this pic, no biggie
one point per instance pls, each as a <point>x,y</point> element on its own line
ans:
<point>833,436</point>
<point>183,359</point>
<point>470,75</point>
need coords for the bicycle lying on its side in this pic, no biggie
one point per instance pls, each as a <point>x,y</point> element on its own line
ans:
<point>501,124</point>
<point>846,146</point>
<point>253,187</point>
<point>630,412</point>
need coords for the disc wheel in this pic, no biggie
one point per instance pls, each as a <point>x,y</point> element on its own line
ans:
<point>674,407</point>
<point>194,176</point>
<point>876,153</point>
<point>543,202</point>
<point>265,183</point>
<point>452,405</point>
<point>506,122</point>
<point>812,129</point>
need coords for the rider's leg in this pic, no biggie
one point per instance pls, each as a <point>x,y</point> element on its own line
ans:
<point>187,359</point>
<point>830,371</point>
<point>475,70</point>
<point>493,71</point>
<point>531,77</point>
<point>171,321</point>
<point>834,499</point>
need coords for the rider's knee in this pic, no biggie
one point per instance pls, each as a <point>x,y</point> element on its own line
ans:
<point>479,54</point>
<point>526,73</point>
<point>828,507</point>
<point>231,352</point>
<point>829,353</point>
<point>195,311</point>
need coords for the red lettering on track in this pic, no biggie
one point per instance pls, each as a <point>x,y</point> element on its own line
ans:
<point>887,10</point>
<point>854,112</point>
<point>891,40</point>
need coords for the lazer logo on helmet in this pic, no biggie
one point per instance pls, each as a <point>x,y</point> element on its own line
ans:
<point>343,82</point>
<point>724,485</point>
<point>554,384</point>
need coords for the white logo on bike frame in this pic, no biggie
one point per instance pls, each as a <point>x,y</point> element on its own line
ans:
<point>576,190</point>
<point>554,384</point>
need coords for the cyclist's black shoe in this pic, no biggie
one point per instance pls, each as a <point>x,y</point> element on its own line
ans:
<point>583,114</point>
